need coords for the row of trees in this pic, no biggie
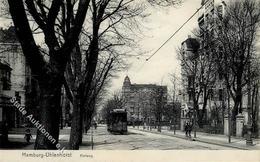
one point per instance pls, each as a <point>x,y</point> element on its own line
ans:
<point>227,56</point>
<point>83,41</point>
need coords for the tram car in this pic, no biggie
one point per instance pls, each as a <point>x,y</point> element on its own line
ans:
<point>117,121</point>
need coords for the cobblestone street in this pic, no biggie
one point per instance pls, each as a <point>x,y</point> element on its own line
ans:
<point>138,140</point>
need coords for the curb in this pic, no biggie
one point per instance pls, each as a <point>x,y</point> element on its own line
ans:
<point>196,139</point>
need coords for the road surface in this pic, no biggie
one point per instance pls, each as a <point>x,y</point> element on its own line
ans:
<point>139,140</point>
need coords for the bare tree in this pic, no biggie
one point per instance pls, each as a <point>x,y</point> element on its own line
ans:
<point>60,24</point>
<point>235,38</point>
<point>47,69</point>
<point>116,102</point>
<point>198,68</point>
<point>107,42</point>
<point>158,101</point>
<point>103,44</point>
<point>165,3</point>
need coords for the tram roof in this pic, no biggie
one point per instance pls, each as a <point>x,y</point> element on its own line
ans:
<point>118,110</point>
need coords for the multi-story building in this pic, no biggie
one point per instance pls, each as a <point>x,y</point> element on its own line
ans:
<point>188,48</point>
<point>5,106</point>
<point>189,53</point>
<point>143,102</point>
<point>206,23</point>
<point>212,9</point>
<point>18,81</point>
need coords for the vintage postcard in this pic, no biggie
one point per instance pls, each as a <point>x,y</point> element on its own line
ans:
<point>130,80</point>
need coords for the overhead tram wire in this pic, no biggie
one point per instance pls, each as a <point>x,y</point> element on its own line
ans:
<point>175,32</point>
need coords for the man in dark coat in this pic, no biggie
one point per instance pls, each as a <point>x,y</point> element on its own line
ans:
<point>186,128</point>
<point>189,129</point>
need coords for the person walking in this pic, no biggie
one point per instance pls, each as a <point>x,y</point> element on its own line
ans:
<point>28,135</point>
<point>186,129</point>
<point>189,129</point>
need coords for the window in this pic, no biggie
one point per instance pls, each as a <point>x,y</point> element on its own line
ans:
<point>220,76</point>
<point>190,95</point>
<point>6,80</point>
<point>211,93</point>
<point>132,109</point>
<point>190,81</point>
<point>220,11</point>
<point>17,96</point>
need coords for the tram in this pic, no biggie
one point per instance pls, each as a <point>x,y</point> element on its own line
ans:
<point>117,121</point>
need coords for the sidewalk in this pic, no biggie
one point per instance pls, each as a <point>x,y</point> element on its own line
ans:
<point>216,139</point>
<point>16,139</point>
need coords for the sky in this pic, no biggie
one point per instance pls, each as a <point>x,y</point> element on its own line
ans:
<point>162,24</point>
<point>159,26</point>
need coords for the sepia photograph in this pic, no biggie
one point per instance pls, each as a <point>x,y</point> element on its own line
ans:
<point>129,75</point>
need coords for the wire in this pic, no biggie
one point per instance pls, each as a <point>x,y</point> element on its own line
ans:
<point>176,31</point>
<point>146,60</point>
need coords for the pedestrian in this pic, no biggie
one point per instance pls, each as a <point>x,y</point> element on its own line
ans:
<point>189,129</point>
<point>28,135</point>
<point>186,129</point>
<point>95,125</point>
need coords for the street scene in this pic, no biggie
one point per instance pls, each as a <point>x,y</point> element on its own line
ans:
<point>136,139</point>
<point>130,75</point>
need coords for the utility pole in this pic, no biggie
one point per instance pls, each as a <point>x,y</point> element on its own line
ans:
<point>229,119</point>
<point>195,121</point>
<point>138,114</point>
<point>249,140</point>
<point>195,104</point>
<point>92,140</point>
<point>174,120</point>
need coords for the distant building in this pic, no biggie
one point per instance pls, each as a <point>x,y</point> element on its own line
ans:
<point>143,102</point>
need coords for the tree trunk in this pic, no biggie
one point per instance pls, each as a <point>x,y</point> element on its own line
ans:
<point>202,113</point>
<point>50,94</point>
<point>238,98</point>
<point>201,117</point>
<point>89,115</point>
<point>237,106</point>
<point>76,126</point>
<point>255,111</point>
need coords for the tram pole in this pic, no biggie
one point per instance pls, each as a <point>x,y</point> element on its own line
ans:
<point>92,142</point>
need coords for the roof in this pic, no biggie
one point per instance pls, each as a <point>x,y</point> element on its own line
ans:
<point>119,110</point>
<point>142,86</point>
<point>150,86</point>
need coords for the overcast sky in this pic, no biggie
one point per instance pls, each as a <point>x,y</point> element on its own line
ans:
<point>162,24</point>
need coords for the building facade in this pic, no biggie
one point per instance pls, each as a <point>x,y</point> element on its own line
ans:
<point>215,112</point>
<point>5,106</point>
<point>17,83</point>
<point>217,102</point>
<point>144,103</point>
